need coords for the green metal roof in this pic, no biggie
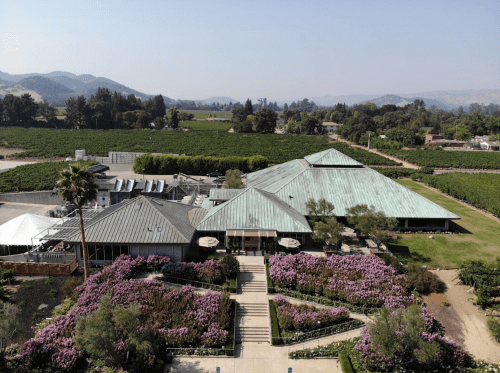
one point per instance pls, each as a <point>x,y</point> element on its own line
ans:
<point>254,209</point>
<point>144,220</point>
<point>221,194</point>
<point>331,157</point>
<point>295,183</point>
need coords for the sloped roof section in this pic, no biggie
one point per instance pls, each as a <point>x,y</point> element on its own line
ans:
<point>273,178</point>
<point>254,209</point>
<point>332,158</point>
<point>144,220</point>
<point>347,187</point>
<point>221,194</point>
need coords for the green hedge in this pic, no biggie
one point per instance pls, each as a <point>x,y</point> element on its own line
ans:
<point>274,324</point>
<point>270,286</point>
<point>197,165</point>
<point>396,173</point>
<point>345,364</point>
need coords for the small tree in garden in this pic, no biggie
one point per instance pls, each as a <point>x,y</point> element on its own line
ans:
<point>405,340</point>
<point>233,180</point>
<point>369,221</point>
<point>325,224</point>
<point>112,335</point>
<point>329,231</point>
<point>78,187</point>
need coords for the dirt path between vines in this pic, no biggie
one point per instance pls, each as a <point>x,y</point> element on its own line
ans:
<point>375,151</point>
<point>476,336</point>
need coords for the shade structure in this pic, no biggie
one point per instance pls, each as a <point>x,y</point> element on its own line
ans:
<point>208,241</point>
<point>19,231</point>
<point>289,242</point>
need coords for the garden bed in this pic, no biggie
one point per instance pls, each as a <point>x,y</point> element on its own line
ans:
<point>297,323</point>
<point>161,319</point>
<point>362,282</point>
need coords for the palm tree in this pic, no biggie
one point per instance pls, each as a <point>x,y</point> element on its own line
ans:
<point>78,187</point>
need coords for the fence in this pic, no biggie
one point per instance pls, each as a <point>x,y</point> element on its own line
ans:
<point>329,330</point>
<point>41,269</point>
<point>325,341</point>
<point>200,284</point>
<point>326,301</point>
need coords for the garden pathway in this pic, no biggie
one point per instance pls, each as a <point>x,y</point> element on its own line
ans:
<point>254,354</point>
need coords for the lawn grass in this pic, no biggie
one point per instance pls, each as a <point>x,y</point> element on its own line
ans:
<point>480,239</point>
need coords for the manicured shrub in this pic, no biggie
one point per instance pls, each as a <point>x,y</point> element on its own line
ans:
<point>345,363</point>
<point>422,280</point>
<point>275,331</point>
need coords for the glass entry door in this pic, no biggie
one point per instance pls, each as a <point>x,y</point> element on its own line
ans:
<point>251,243</point>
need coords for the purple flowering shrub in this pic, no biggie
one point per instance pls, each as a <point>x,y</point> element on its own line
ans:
<point>210,271</point>
<point>407,339</point>
<point>303,318</point>
<point>356,279</point>
<point>177,318</point>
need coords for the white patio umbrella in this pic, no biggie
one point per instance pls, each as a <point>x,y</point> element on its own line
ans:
<point>348,232</point>
<point>289,242</point>
<point>208,241</point>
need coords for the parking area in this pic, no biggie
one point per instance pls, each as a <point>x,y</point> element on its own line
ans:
<point>11,210</point>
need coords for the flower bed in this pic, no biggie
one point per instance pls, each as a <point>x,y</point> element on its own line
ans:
<point>212,271</point>
<point>301,322</point>
<point>331,350</point>
<point>175,318</point>
<point>356,279</point>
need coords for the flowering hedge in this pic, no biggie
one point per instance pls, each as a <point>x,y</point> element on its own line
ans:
<point>212,271</point>
<point>178,318</point>
<point>356,279</point>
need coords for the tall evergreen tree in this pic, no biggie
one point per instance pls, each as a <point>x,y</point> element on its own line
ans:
<point>248,107</point>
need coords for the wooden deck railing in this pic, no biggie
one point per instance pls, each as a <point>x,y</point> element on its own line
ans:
<point>41,269</point>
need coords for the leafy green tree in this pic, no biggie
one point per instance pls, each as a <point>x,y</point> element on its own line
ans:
<point>101,106</point>
<point>174,117</point>
<point>77,112</point>
<point>46,111</point>
<point>248,107</point>
<point>370,222</point>
<point>265,121</point>
<point>243,127</point>
<point>329,231</point>
<point>233,179</point>
<point>29,108</point>
<point>311,125</point>
<point>113,335</point>
<point>78,187</point>
<point>143,120</point>
<point>320,210</point>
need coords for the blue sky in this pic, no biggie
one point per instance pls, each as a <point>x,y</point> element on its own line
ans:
<point>275,49</point>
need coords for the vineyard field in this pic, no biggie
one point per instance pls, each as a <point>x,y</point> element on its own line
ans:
<point>449,159</point>
<point>480,190</point>
<point>202,125</point>
<point>204,114</point>
<point>53,143</point>
<point>36,176</point>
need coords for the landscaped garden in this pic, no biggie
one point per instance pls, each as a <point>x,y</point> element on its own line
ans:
<point>115,320</point>
<point>478,238</point>
<point>295,323</point>
<point>358,282</point>
<point>401,340</point>
<point>221,272</point>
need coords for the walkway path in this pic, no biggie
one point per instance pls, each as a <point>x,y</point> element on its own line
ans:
<point>254,354</point>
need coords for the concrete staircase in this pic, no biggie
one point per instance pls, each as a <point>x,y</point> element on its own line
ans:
<point>252,312</point>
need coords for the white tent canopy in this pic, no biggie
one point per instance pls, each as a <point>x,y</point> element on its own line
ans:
<point>19,231</point>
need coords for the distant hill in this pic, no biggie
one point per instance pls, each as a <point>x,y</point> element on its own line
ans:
<point>456,98</point>
<point>401,101</point>
<point>221,100</point>
<point>347,99</point>
<point>57,86</point>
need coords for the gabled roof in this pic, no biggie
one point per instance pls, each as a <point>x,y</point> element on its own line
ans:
<point>273,178</point>
<point>254,209</point>
<point>144,220</point>
<point>333,158</point>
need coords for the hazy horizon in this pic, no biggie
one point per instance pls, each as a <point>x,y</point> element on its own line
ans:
<point>279,50</point>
